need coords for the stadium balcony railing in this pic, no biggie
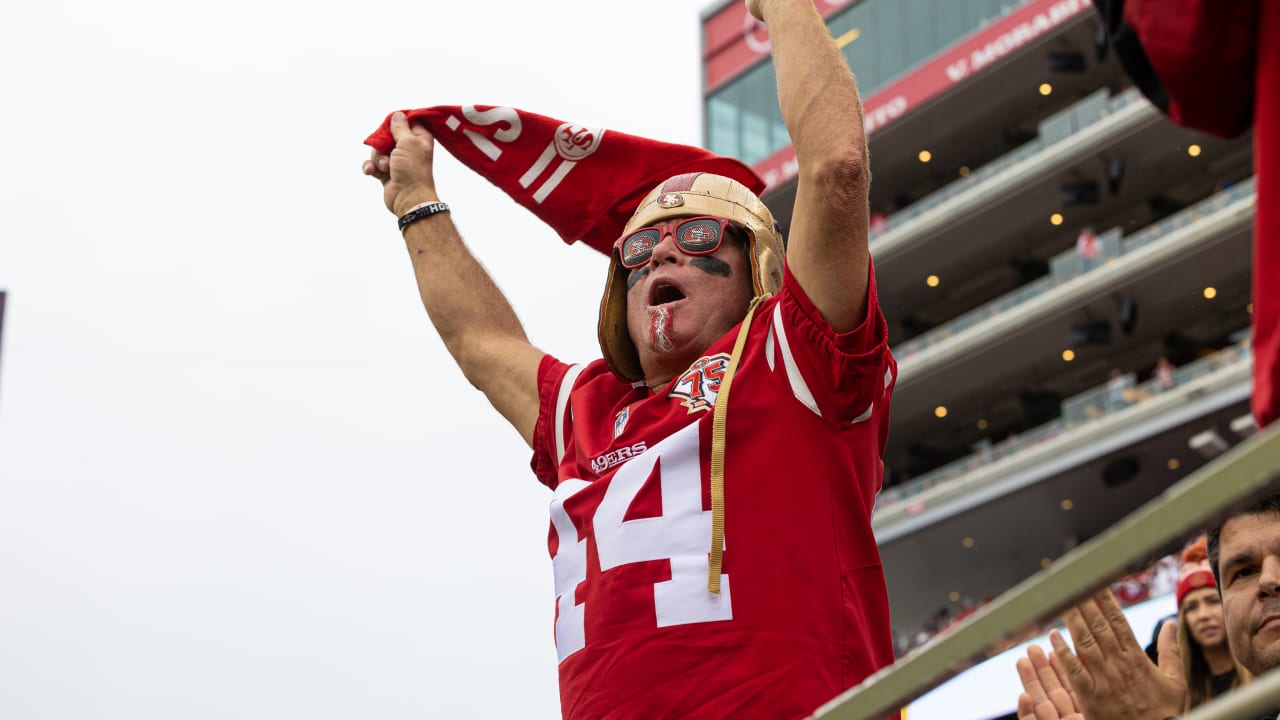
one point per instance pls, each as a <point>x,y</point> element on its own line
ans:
<point>1072,135</point>
<point>1086,417</point>
<point>1057,128</point>
<point>1185,235</point>
<point>1068,265</point>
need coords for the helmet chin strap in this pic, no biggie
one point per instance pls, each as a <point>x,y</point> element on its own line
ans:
<point>718,420</point>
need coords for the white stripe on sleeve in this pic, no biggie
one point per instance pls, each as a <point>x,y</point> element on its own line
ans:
<point>865,416</point>
<point>562,402</point>
<point>799,387</point>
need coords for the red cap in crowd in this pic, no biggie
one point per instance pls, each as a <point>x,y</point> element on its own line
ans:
<point>1195,572</point>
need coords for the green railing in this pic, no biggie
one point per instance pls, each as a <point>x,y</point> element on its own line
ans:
<point>1201,499</point>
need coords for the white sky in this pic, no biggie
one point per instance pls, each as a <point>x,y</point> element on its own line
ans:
<point>239,475</point>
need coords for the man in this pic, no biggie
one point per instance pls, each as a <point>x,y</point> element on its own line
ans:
<point>713,557</point>
<point>1109,678</point>
<point>1245,555</point>
<point>1088,249</point>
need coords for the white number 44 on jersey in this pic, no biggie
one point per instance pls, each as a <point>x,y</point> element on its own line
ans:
<point>681,535</point>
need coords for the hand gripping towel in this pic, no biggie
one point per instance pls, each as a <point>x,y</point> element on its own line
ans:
<point>584,182</point>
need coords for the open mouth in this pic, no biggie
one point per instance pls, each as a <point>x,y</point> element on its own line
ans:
<point>664,292</point>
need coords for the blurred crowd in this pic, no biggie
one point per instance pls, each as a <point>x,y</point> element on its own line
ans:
<point>1158,579</point>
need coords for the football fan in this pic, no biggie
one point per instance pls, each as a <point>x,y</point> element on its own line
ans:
<point>713,475</point>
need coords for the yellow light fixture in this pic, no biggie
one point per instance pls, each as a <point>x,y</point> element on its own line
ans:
<point>967,542</point>
<point>925,156</point>
<point>848,37</point>
<point>940,411</point>
<point>1193,150</point>
<point>1068,355</point>
<point>982,423</point>
<point>932,281</point>
<point>1045,88</point>
<point>1055,219</point>
<point>954,596</point>
<point>1210,293</point>
<point>1066,504</point>
<point>1174,464</point>
<point>964,171</point>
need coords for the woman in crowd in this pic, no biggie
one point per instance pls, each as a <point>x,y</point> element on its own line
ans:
<point>1207,662</point>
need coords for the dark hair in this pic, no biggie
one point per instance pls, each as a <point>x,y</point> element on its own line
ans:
<point>1269,504</point>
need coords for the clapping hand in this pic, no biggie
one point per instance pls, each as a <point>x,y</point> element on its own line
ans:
<point>1046,691</point>
<point>1108,676</point>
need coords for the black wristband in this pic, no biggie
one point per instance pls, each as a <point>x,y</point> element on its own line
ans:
<point>417,212</point>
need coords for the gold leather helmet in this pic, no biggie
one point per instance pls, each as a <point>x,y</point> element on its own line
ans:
<point>689,195</point>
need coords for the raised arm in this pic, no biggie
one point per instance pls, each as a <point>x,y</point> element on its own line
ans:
<point>827,247</point>
<point>473,317</point>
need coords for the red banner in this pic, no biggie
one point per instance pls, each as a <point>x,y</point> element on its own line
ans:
<point>733,41</point>
<point>964,60</point>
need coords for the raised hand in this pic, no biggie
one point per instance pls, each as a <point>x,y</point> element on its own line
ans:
<point>1046,691</point>
<point>405,174</point>
<point>1111,676</point>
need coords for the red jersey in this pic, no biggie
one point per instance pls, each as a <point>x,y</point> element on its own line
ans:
<point>803,612</point>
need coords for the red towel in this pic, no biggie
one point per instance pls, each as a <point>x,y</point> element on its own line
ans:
<point>1204,52</point>
<point>1266,240</point>
<point>583,182</point>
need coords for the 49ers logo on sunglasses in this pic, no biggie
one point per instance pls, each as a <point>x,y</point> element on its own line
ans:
<point>694,236</point>
<point>697,235</point>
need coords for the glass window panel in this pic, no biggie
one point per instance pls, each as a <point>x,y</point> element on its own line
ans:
<point>722,127</point>
<point>919,29</point>
<point>982,12</point>
<point>890,31</point>
<point>761,93</point>
<point>950,21</point>
<point>861,52</point>
<point>743,119</point>
<point>755,137</point>
<point>760,111</point>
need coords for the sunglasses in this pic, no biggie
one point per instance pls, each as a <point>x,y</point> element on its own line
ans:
<point>694,236</point>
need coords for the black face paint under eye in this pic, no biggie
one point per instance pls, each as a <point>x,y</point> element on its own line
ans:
<point>712,266</point>
<point>636,276</point>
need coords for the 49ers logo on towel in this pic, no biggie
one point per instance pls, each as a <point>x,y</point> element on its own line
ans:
<point>575,142</point>
<point>698,386</point>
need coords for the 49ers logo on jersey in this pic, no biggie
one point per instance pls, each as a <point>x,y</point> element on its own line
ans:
<point>698,386</point>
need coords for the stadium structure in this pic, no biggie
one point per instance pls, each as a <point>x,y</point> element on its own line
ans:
<point>1064,272</point>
